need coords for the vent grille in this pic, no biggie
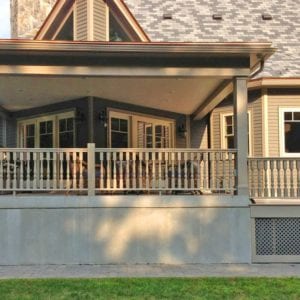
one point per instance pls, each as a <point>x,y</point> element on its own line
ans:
<point>277,236</point>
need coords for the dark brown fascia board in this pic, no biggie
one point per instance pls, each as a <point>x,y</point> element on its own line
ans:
<point>59,14</point>
<point>242,49</point>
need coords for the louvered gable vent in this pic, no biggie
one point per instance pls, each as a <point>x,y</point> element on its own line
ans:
<point>91,19</point>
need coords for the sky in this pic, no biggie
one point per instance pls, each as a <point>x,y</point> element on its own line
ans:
<point>4,19</point>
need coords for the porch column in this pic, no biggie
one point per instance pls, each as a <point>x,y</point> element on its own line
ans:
<point>240,95</point>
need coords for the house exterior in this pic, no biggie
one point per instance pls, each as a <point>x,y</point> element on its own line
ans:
<point>174,102</point>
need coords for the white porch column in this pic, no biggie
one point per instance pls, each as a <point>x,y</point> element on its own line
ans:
<point>240,95</point>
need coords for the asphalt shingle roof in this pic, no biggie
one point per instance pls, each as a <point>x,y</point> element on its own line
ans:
<point>242,21</point>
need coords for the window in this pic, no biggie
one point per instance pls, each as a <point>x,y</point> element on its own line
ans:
<point>119,132</point>
<point>290,131</point>
<point>227,132</point>
<point>66,132</point>
<point>47,131</point>
<point>139,131</point>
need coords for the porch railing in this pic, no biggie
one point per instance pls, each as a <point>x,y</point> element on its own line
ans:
<point>97,170</point>
<point>274,177</point>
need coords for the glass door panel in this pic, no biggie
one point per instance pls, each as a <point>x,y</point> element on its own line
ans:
<point>46,134</point>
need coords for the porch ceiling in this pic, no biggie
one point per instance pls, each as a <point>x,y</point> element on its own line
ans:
<point>177,77</point>
<point>181,95</point>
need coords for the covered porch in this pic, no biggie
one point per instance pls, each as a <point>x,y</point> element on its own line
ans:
<point>168,88</point>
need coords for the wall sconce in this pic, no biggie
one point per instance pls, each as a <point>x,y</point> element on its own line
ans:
<point>182,130</point>
<point>79,117</point>
<point>103,118</point>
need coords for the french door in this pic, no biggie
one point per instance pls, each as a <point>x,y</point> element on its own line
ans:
<point>48,132</point>
<point>139,131</point>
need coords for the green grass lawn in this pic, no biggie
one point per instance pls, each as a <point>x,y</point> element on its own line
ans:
<point>152,288</point>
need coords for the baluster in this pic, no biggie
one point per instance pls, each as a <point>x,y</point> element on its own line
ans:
<point>29,161</point>
<point>232,157</point>
<point>206,174</point>
<point>298,177</point>
<point>61,170</point>
<point>14,174</point>
<point>54,170</point>
<point>21,167</point>
<point>222,156</point>
<point>192,158</point>
<point>159,171</point>
<point>166,164</point>
<point>79,175</point>
<point>292,189</point>
<point>36,176</point>
<point>266,178</point>
<point>68,170</point>
<point>179,175</point>
<point>173,170</point>
<point>272,178</point>
<point>47,156</point>
<point>213,172</point>
<point>121,182</point>
<point>114,169</point>
<point>259,179</point>
<point>251,178</point>
<point>185,171</point>
<point>8,179</point>
<point>1,171</point>
<point>101,161</point>
<point>199,172</point>
<point>279,178</point>
<point>153,171</point>
<point>147,171</point>
<point>134,170</point>
<point>285,178</point>
<point>108,180</point>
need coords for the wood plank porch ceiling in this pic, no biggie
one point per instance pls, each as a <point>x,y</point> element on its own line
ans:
<point>176,77</point>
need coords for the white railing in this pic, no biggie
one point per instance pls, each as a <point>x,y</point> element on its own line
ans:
<point>174,170</point>
<point>117,170</point>
<point>42,169</point>
<point>274,177</point>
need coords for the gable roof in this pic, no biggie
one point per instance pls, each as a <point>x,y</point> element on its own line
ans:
<point>63,9</point>
<point>242,21</point>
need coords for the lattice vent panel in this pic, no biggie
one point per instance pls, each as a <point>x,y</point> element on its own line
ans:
<point>277,236</point>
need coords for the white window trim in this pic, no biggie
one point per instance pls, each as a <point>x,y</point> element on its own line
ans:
<point>123,116</point>
<point>223,140</point>
<point>54,117</point>
<point>133,118</point>
<point>281,137</point>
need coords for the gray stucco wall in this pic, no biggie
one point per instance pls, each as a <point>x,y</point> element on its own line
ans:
<point>124,229</point>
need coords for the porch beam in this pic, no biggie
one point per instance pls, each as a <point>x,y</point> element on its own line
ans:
<point>121,71</point>
<point>216,97</point>
<point>240,96</point>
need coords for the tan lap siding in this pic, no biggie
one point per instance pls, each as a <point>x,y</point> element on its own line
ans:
<point>275,102</point>
<point>226,107</point>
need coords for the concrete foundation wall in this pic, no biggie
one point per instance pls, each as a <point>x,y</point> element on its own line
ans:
<point>124,229</point>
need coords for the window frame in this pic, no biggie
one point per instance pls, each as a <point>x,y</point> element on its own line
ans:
<point>281,138</point>
<point>55,117</point>
<point>223,131</point>
<point>134,118</point>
